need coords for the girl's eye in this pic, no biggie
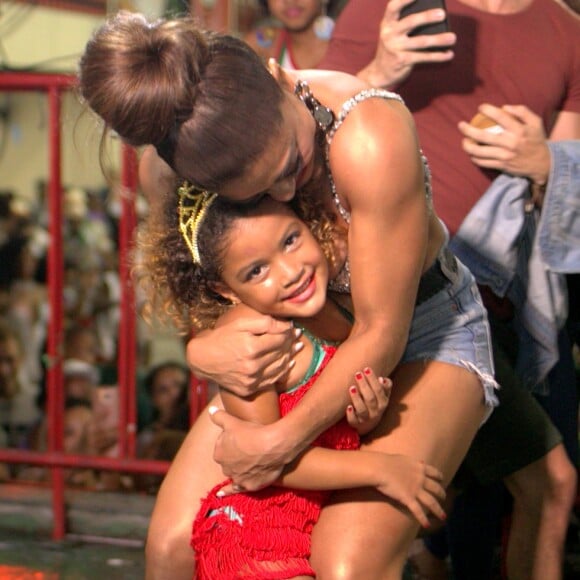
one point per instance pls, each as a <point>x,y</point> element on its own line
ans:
<point>291,239</point>
<point>255,272</point>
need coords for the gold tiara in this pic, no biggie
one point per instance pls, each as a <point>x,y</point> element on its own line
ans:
<point>193,205</point>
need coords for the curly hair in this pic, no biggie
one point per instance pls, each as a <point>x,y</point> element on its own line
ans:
<point>182,292</point>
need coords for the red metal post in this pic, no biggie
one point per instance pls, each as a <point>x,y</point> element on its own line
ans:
<point>127,360</point>
<point>55,394</point>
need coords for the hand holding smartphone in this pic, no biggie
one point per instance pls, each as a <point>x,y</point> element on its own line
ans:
<point>430,28</point>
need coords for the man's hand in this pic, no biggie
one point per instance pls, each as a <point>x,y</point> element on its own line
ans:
<point>246,354</point>
<point>247,452</point>
<point>518,147</point>
<point>397,52</point>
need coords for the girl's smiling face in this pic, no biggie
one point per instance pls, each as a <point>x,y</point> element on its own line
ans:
<point>273,264</point>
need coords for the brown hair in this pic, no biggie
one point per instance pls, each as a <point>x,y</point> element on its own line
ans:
<point>183,292</point>
<point>204,100</point>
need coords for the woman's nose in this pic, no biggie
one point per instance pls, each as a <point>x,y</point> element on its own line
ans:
<point>283,191</point>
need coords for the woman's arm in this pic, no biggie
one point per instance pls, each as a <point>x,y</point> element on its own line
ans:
<point>380,178</point>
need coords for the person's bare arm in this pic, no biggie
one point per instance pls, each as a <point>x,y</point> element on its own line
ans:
<point>382,179</point>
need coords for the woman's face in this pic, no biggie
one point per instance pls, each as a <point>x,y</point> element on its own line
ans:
<point>295,15</point>
<point>274,265</point>
<point>287,163</point>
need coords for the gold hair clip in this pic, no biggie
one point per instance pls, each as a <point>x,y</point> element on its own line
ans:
<point>193,205</point>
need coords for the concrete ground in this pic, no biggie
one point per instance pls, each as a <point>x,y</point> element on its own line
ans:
<point>26,558</point>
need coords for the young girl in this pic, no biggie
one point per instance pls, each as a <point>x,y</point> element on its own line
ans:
<point>263,257</point>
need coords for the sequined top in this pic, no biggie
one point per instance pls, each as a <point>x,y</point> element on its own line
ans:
<point>341,283</point>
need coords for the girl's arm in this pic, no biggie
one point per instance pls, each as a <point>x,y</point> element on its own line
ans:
<point>410,482</point>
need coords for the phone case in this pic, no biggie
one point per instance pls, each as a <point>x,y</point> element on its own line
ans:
<point>421,6</point>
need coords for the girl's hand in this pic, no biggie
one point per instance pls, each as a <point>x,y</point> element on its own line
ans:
<point>415,485</point>
<point>519,145</point>
<point>245,354</point>
<point>369,397</point>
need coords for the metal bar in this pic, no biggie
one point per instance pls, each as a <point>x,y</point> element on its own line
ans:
<point>127,360</point>
<point>55,395</point>
<point>60,460</point>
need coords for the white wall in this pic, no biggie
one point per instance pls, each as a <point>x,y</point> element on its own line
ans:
<point>35,35</point>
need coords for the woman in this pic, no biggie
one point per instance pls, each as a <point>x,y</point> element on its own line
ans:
<point>225,124</point>
<point>302,39</point>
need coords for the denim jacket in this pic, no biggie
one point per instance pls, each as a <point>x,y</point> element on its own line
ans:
<point>524,254</point>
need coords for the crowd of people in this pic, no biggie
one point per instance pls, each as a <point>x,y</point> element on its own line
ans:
<point>91,301</point>
<point>331,139</point>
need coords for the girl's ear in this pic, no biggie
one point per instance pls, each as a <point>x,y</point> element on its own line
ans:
<point>225,292</point>
<point>280,74</point>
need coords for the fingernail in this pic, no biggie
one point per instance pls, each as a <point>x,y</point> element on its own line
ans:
<point>367,371</point>
<point>358,376</point>
<point>298,347</point>
<point>212,410</point>
<point>220,493</point>
<point>352,389</point>
<point>297,332</point>
<point>349,409</point>
<point>291,364</point>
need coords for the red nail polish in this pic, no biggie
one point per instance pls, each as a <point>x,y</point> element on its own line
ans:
<point>350,409</point>
<point>367,371</point>
<point>353,390</point>
<point>358,376</point>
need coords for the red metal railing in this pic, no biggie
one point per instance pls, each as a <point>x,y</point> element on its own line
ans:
<point>54,85</point>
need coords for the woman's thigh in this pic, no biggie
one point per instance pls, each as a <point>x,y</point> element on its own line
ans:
<point>191,475</point>
<point>434,413</point>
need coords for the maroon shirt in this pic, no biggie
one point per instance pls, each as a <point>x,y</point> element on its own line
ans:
<point>530,58</point>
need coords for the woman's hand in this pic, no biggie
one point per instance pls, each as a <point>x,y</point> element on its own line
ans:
<point>246,354</point>
<point>397,52</point>
<point>413,484</point>
<point>369,398</point>
<point>246,453</point>
<point>519,147</point>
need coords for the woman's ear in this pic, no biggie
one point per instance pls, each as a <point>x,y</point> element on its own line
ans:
<point>226,293</point>
<point>280,74</point>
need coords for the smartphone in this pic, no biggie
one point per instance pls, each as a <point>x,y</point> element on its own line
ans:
<point>432,28</point>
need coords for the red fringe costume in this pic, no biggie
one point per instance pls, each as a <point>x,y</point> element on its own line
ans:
<point>266,534</point>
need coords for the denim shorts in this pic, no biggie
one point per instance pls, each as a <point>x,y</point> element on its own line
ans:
<point>452,327</point>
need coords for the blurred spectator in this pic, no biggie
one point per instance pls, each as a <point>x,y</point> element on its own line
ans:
<point>295,34</point>
<point>18,412</point>
<point>168,387</point>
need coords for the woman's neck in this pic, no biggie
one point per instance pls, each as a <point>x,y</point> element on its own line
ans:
<point>499,6</point>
